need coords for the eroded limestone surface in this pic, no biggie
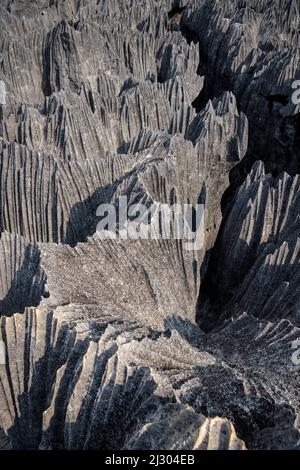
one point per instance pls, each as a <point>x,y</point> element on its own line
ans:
<point>143,344</point>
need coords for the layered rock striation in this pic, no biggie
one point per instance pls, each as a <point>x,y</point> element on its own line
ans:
<point>112,343</point>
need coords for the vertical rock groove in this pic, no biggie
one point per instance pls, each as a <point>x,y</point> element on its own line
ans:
<point>141,343</point>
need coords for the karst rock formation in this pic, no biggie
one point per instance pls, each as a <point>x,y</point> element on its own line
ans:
<point>142,344</point>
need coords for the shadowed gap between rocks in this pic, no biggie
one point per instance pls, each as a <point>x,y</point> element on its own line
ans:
<point>29,279</point>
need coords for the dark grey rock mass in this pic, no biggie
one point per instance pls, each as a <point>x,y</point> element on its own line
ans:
<point>142,344</point>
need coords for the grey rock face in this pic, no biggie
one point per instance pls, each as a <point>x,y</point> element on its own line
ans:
<point>23,281</point>
<point>142,344</point>
<point>252,48</point>
<point>257,265</point>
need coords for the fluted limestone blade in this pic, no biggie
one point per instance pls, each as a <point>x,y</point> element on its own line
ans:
<point>176,427</point>
<point>118,329</point>
<point>22,280</point>
<point>258,250</point>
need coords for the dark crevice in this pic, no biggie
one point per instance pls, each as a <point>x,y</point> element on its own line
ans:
<point>210,318</point>
<point>91,101</point>
<point>278,150</point>
<point>237,177</point>
<point>176,11</point>
<point>175,16</point>
<point>28,287</point>
<point>209,92</point>
<point>189,35</point>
